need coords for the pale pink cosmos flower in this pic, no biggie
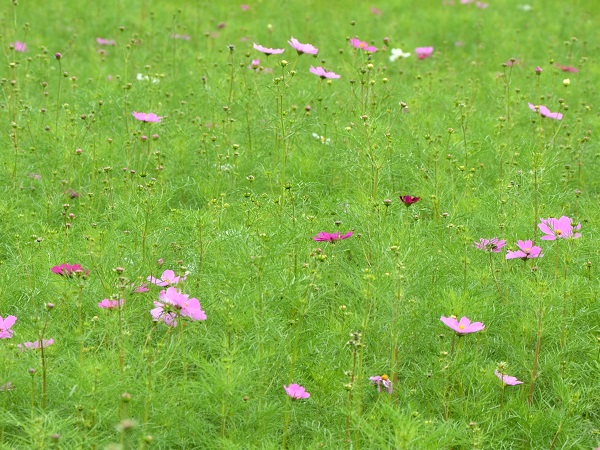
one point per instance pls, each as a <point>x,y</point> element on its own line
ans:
<point>255,63</point>
<point>102,41</point>
<point>423,52</point>
<point>5,325</point>
<point>244,7</point>
<point>167,278</point>
<point>268,51</point>
<point>481,5</point>
<point>559,229</point>
<point>19,46</point>
<point>507,380</point>
<point>110,304</point>
<point>356,43</point>
<point>147,117</point>
<point>172,304</point>
<point>490,245</point>
<point>384,381</point>
<point>141,289</point>
<point>319,71</point>
<point>527,251</point>
<point>376,11</point>
<point>295,391</point>
<point>35,345</point>
<point>545,112</point>
<point>464,326</point>
<point>302,48</point>
<point>331,237</point>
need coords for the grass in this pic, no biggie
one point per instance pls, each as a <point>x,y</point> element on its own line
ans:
<point>232,184</point>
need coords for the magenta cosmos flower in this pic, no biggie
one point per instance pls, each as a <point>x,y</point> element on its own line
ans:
<point>36,345</point>
<point>110,304</point>
<point>409,200</point>
<point>102,41</point>
<point>331,237</point>
<point>356,43</point>
<point>559,229</point>
<point>69,270</point>
<point>507,380</point>
<point>526,251</point>
<point>19,46</point>
<point>302,48</point>
<point>5,325</point>
<point>173,304</point>
<point>423,52</point>
<point>296,391</point>
<point>147,117</point>
<point>490,245</point>
<point>323,73</point>
<point>545,112</point>
<point>464,326</point>
<point>167,278</point>
<point>563,68</point>
<point>382,380</point>
<point>268,51</point>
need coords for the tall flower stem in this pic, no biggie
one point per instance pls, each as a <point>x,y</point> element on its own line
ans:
<point>537,352</point>
<point>494,273</point>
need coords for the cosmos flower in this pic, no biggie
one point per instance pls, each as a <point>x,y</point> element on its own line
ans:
<point>527,251</point>
<point>362,45</point>
<point>35,345</point>
<point>102,41</point>
<point>19,46</point>
<point>382,380</point>
<point>397,53</point>
<point>507,380</point>
<point>295,391</point>
<point>142,77</point>
<point>167,278</point>
<point>69,270</point>
<point>323,73</point>
<point>173,304</point>
<point>490,245</point>
<point>323,139</point>
<point>302,48</point>
<point>423,52</point>
<point>268,51</point>
<point>5,325</point>
<point>567,68</point>
<point>409,200</point>
<point>331,237</point>
<point>147,117</point>
<point>110,304</point>
<point>559,229</point>
<point>464,326</point>
<point>545,112</point>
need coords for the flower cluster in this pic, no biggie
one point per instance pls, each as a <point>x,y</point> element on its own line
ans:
<point>174,304</point>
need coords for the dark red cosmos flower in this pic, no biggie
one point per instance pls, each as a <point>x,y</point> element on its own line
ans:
<point>409,200</point>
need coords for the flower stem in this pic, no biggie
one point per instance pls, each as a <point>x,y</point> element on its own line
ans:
<point>537,353</point>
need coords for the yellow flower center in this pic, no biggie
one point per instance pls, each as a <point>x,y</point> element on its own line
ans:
<point>559,232</point>
<point>527,250</point>
<point>385,377</point>
<point>362,45</point>
<point>462,327</point>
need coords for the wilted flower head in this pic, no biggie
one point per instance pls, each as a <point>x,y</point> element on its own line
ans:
<point>423,52</point>
<point>323,236</point>
<point>296,391</point>
<point>490,245</point>
<point>69,270</point>
<point>507,380</point>
<point>36,345</point>
<point>409,200</point>
<point>545,112</point>
<point>147,117</point>
<point>382,380</point>
<point>527,251</point>
<point>323,73</point>
<point>5,325</point>
<point>398,53</point>
<point>167,278</point>
<point>302,48</point>
<point>559,229</point>
<point>268,51</point>
<point>356,43</point>
<point>464,326</point>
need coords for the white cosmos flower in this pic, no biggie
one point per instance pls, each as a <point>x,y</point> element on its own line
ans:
<point>322,139</point>
<point>398,53</point>
<point>141,77</point>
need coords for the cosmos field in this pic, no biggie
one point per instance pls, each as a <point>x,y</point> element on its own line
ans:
<point>299,225</point>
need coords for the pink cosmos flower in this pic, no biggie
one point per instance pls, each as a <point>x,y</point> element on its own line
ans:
<point>168,277</point>
<point>409,200</point>
<point>69,270</point>
<point>464,326</point>
<point>423,52</point>
<point>563,68</point>
<point>559,229</point>
<point>19,46</point>
<point>172,304</point>
<point>35,345</point>
<point>545,112</point>
<point>244,7</point>
<point>141,289</point>
<point>527,251</point>
<point>490,245</point>
<point>147,117</point>
<point>362,45</point>
<point>382,380</point>
<point>323,73</point>
<point>110,304</point>
<point>507,380</point>
<point>481,5</point>
<point>268,51</point>
<point>5,325</point>
<point>302,48</point>
<point>296,391</point>
<point>254,64</point>
<point>376,11</point>
<point>331,237</point>
<point>101,41</point>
